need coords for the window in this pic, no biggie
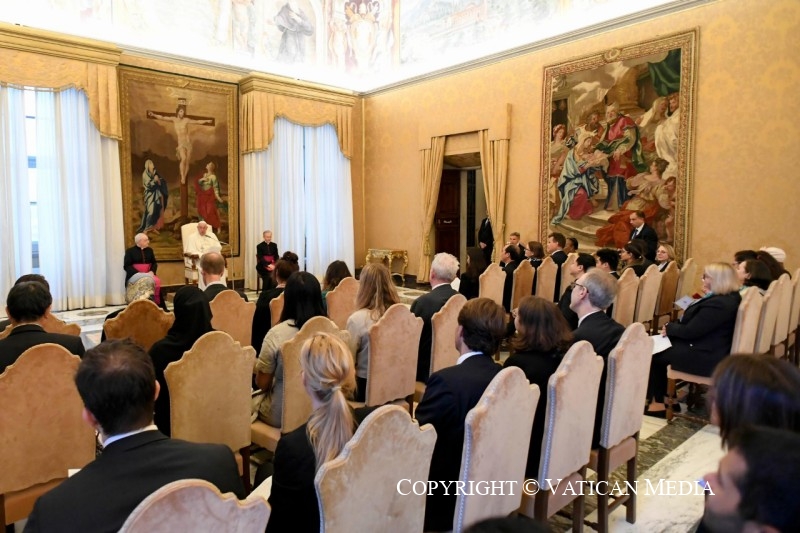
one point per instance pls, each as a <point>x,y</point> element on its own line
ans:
<point>30,147</point>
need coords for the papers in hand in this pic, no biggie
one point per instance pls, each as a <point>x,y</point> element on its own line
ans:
<point>685,302</point>
<point>660,343</point>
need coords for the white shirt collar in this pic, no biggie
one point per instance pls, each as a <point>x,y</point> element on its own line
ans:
<point>115,438</point>
<point>581,319</point>
<point>218,282</point>
<point>466,356</point>
<point>439,285</point>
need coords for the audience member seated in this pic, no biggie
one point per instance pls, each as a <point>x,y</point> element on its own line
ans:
<point>511,258</point>
<point>444,268</point>
<point>543,337</point>
<point>755,390</point>
<point>665,254</point>
<point>335,273</point>
<point>302,302</point>
<point>744,255</point>
<point>212,268</point>
<point>25,277</point>
<point>632,254</point>
<point>266,257</point>
<point>582,265</point>
<point>555,247</point>
<point>192,321</point>
<point>140,261</point>
<point>702,337</point>
<point>142,289</point>
<point>117,384</point>
<point>608,260</point>
<point>376,294</point>
<point>594,292</point>
<point>755,488</point>
<point>262,318</point>
<point>777,253</point>
<point>535,254</point>
<point>775,268</point>
<point>571,246</point>
<point>329,380</point>
<point>27,305</point>
<point>470,279</point>
<point>754,273</point>
<point>199,243</point>
<point>514,240</point>
<point>451,393</point>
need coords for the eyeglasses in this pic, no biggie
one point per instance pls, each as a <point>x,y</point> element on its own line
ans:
<point>576,284</point>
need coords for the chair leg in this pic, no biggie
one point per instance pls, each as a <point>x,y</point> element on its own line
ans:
<point>630,505</point>
<point>245,453</point>
<point>540,505</point>
<point>602,496</point>
<point>670,396</point>
<point>578,508</point>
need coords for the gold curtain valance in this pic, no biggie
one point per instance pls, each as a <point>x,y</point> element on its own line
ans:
<point>259,109</point>
<point>44,59</point>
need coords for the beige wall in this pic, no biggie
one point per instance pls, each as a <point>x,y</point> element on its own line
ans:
<point>747,131</point>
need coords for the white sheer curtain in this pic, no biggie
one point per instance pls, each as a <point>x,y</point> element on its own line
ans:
<point>15,215</point>
<point>303,194</point>
<point>80,200</point>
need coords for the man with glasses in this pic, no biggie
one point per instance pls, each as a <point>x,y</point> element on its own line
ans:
<point>582,265</point>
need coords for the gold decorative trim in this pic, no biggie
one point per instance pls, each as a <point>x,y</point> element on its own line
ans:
<point>297,89</point>
<point>55,44</point>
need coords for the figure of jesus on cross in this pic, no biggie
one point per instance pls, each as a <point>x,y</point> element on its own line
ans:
<point>181,122</point>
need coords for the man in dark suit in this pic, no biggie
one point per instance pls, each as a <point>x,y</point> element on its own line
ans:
<point>451,393</point>
<point>486,239</point>
<point>118,386</point>
<point>266,257</point>
<point>212,267</point>
<point>582,265</point>
<point>444,268</point>
<point>644,232</point>
<point>510,258</point>
<point>555,247</point>
<point>593,293</point>
<point>27,305</point>
<point>608,260</point>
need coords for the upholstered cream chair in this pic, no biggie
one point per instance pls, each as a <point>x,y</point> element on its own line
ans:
<point>566,279</point>
<point>42,434</point>
<point>647,296</point>
<point>497,433</point>
<point>358,490</point>
<point>625,302</point>
<point>443,333</point>
<point>191,263</point>
<point>341,301</point>
<point>393,351</point>
<point>794,318</point>
<point>686,279</point>
<point>666,296</point>
<point>491,283</point>
<point>275,309</point>
<point>231,314</point>
<point>197,505</point>
<point>781,334</point>
<point>769,317</point>
<point>625,391</point>
<point>50,324</point>
<point>296,403</point>
<point>209,395</point>
<point>546,278</point>
<point>142,321</point>
<point>523,283</point>
<point>571,406</point>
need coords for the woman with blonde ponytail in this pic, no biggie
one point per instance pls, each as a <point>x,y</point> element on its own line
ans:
<point>329,379</point>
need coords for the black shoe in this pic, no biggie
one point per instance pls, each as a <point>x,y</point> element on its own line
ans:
<point>656,414</point>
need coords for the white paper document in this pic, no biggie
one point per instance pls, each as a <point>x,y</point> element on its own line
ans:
<point>660,343</point>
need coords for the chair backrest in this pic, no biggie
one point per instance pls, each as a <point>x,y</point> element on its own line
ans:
<point>523,283</point>
<point>625,302</point>
<point>296,403</point>
<point>37,414</point>
<point>491,283</point>
<point>747,317</point>
<point>275,309</point>
<point>189,229</point>
<point>443,333</point>
<point>794,315</point>
<point>626,386</point>
<point>685,279</point>
<point>393,351</point>
<point>501,420</point>
<point>231,314</point>
<point>769,316</point>
<point>566,279</point>
<point>388,446</point>
<point>209,391</point>
<point>546,278</point>
<point>50,324</point>
<point>142,321</point>
<point>784,309</point>
<point>341,301</point>
<point>196,505</point>
<point>669,284</point>
<point>571,405</point>
<point>647,295</point>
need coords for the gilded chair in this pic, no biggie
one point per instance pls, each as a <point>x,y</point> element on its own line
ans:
<point>794,318</point>
<point>566,279</point>
<point>768,319</point>
<point>50,324</point>
<point>686,278</point>
<point>546,278</point>
<point>780,337</point>
<point>231,314</point>
<point>341,301</point>
<point>443,333</point>
<point>491,283</point>
<point>142,321</point>
<point>625,302</point>
<point>523,283</point>
<point>666,296</point>
<point>275,310</point>
<point>191,272</point>
<point>647,296</point>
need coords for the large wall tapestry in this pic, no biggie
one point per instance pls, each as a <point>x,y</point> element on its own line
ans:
<point>618,130</point>
<point>179,158</point>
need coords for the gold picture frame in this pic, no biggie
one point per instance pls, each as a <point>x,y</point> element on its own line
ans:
<point>179,158</point>
<point>612,121</point>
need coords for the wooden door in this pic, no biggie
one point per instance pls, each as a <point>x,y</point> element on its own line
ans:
<point>448,214</point>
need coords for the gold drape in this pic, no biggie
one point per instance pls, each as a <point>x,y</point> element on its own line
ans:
<point>259,109</point>
<point>432,163</point>
<point>494,164</point>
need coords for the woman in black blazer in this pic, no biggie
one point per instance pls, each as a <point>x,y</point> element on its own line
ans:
<point>633,254</point>
<point>703,336</point>
<point>470,279</point>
